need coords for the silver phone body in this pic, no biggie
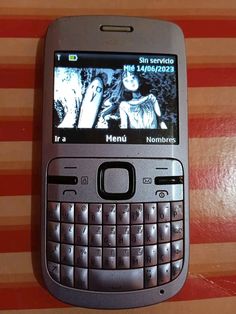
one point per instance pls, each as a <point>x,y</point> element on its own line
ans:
<point>83,161</point>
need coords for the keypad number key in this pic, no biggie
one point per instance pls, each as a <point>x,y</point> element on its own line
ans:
<point>95,235</point>
<point>95,257</point>
<point>123,235</point>
<point>109,214</point>
<point>109,236</point>
<point>109,258</point>
<point>95,214</point>
<point>136,213</point>
<point>137,257</point>
<point>150,212</point>
<point>123,258</point>
<point>123,214</point>
<point>137,235</point>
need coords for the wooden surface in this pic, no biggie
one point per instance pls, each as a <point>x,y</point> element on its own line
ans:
<point>210,30</point>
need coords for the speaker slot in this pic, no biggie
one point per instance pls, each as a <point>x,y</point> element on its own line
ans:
<point>116,28</point>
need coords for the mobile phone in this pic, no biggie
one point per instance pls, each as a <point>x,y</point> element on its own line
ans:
<point>115,212</point>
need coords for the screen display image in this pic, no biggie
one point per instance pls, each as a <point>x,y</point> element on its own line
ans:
<point>115,98</point>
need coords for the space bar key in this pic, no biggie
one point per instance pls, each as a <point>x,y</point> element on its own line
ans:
<point>115,280</point>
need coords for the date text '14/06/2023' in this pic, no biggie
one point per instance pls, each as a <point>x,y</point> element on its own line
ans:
<point>155,65</point>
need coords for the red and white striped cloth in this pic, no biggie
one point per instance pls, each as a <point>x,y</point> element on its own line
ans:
<point>210,31</point>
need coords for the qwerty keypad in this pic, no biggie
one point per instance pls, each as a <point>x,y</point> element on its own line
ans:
<point>115,247</point>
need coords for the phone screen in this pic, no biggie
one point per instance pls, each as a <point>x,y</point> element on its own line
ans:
<point>115,98</point>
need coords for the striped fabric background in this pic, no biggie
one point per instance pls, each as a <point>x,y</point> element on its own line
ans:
<point>210,30</point>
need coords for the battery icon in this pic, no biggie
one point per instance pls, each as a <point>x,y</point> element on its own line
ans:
<point>73,57</point>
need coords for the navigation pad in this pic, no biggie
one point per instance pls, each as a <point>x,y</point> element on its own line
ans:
<point>116,180</point>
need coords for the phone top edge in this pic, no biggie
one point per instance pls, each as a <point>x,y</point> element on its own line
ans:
<point>115,20</point>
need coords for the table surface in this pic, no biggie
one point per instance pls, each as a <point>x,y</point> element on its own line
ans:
<point>210,31</point>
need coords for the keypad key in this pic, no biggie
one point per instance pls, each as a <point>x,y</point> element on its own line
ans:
<point>67,275</point>
<point>109,258</point>
<point>81,213</point>
<point>164,232</point>
<point>67,233</point>
<point>137,257</point>
<point>54,270</point>
<point>150,212</point>
<point>177,250</point>
<point>136,235</point>
<point>54,231</point>
<point>150,277</point>
<point>136,213</point>
<point>123,235</point>
<point>109,214</point>
<point>81,256</point>
<point>95,257</point>
<point>53,211</point>
<point>150,255</point>
<point>95,213</point>
<point>150,234</point>
<point>177,210</point>
<point>53,251</point>
<point>123,258</point>
<point>81,278</point>
<point>163,253</point>
<point>177,230</point>
<point>81,234</point>
<point>163,273</point>
<point>117,280</point>
<point>176,268</point>
<point>67,254</point>
<point>109,236</point>
<point>95,235</point>
<point>67,212</point>
<point>123,214</point>
<point>163,212</point>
